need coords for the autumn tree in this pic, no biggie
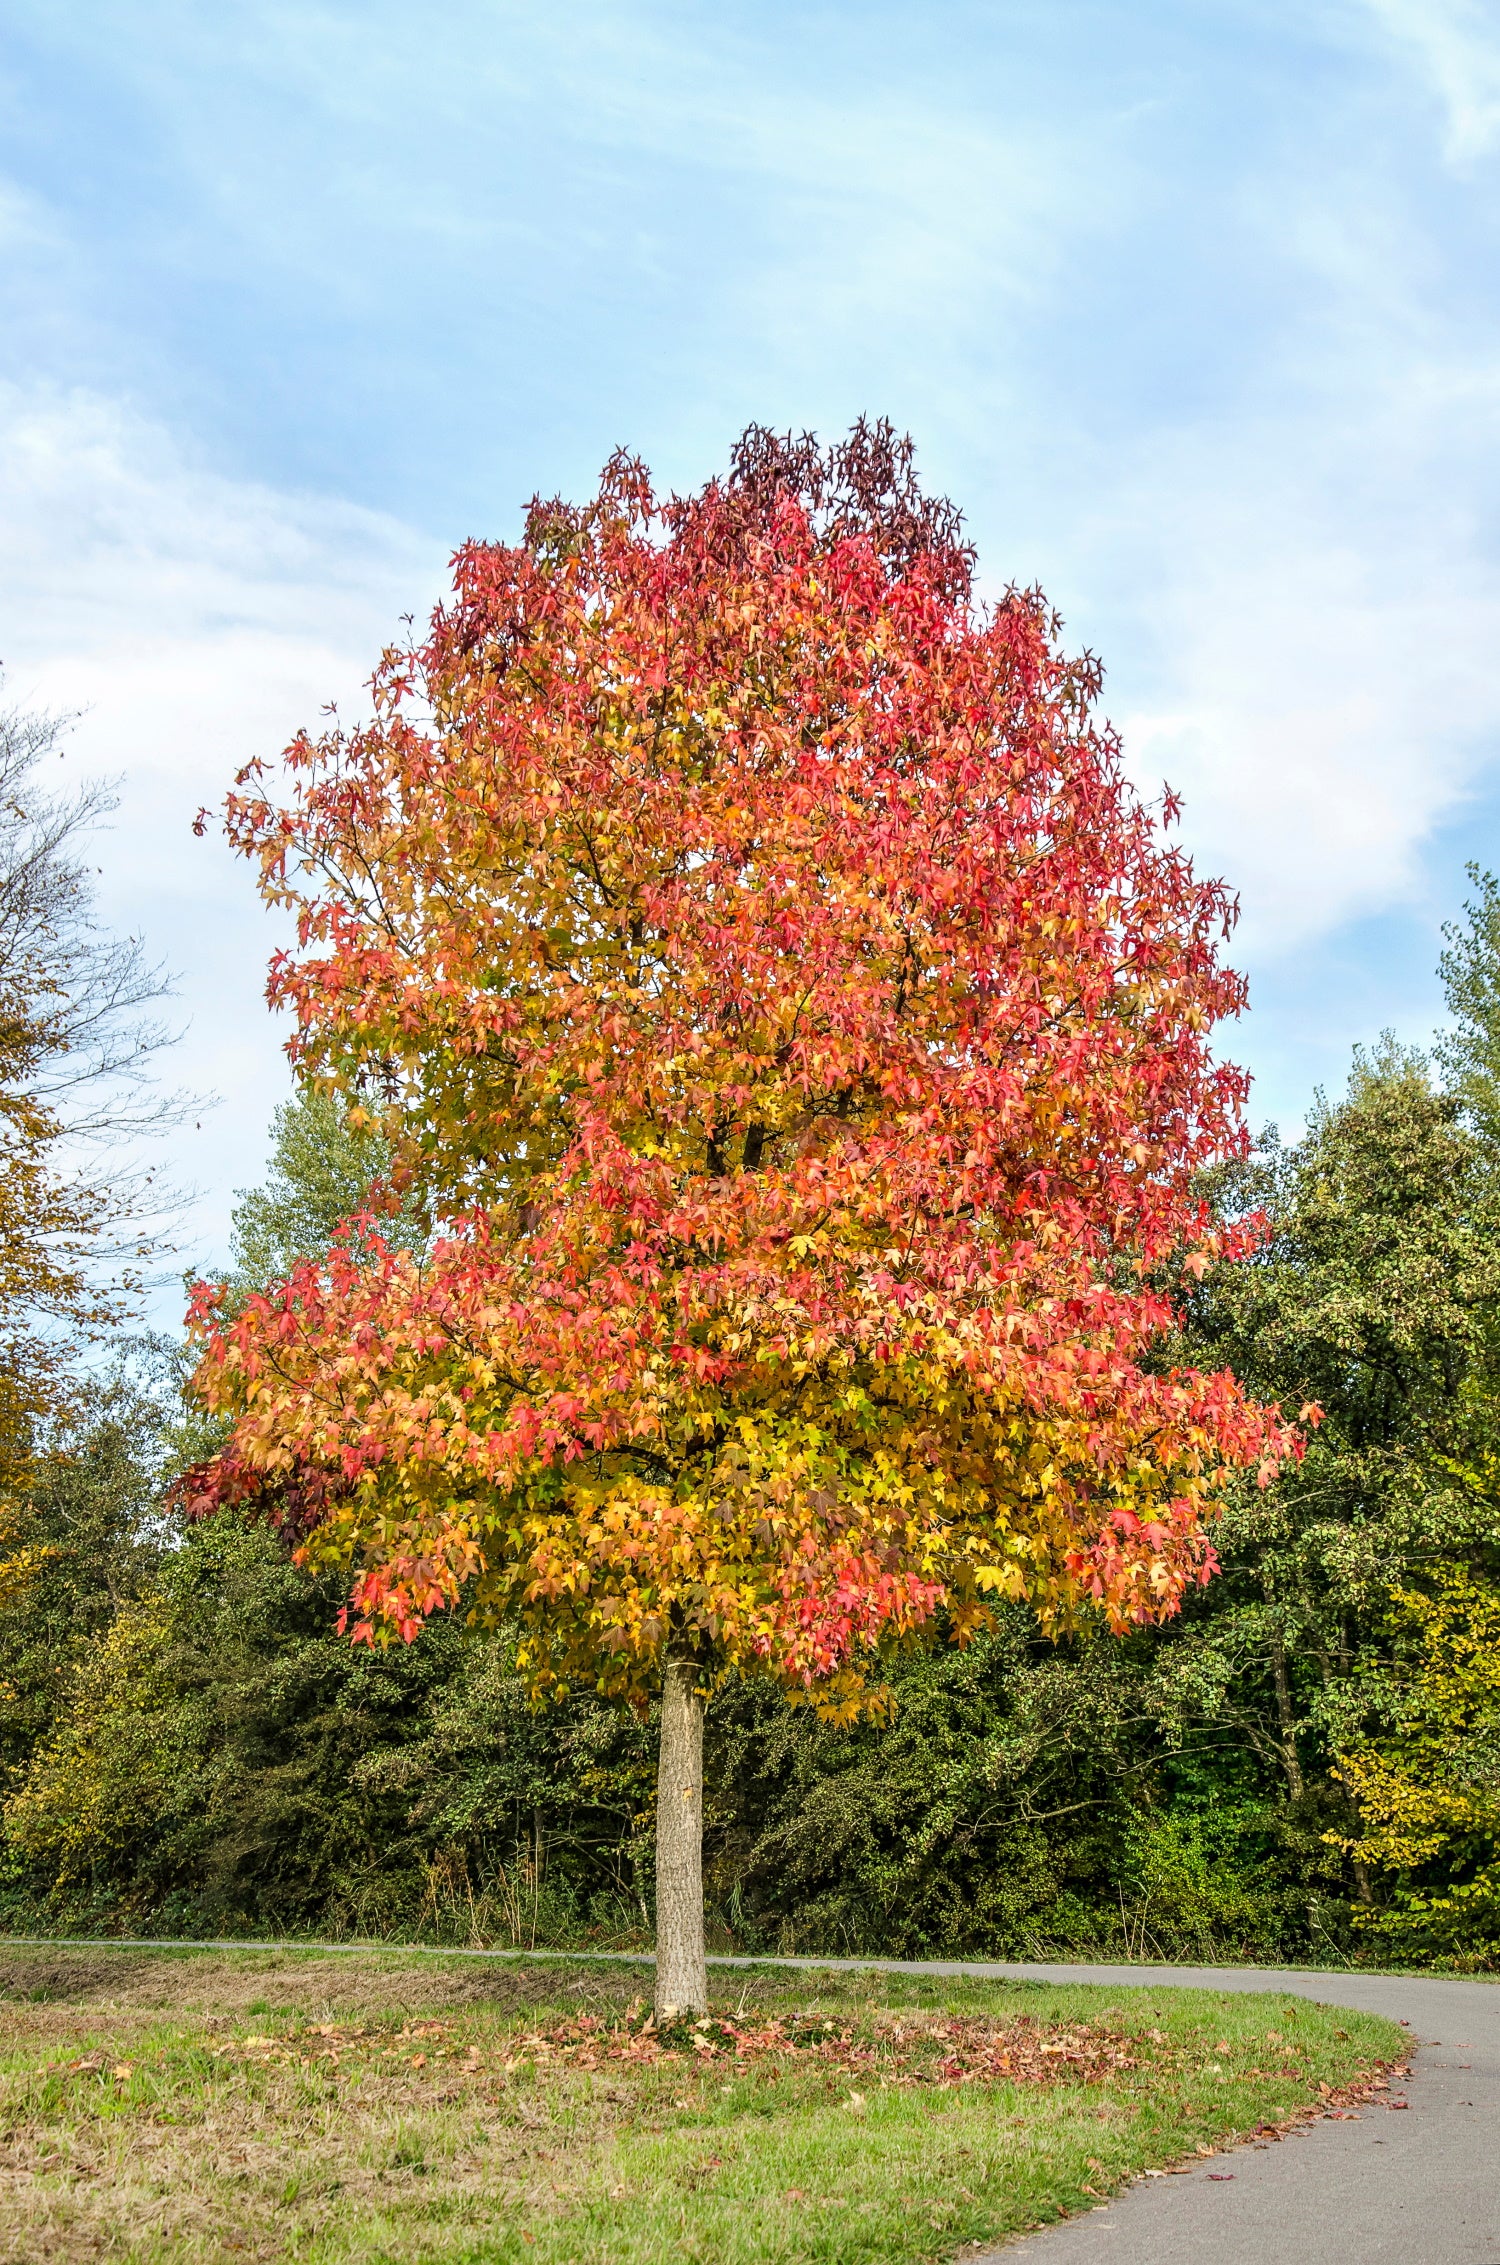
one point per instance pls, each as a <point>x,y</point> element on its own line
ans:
<point>798,1035</point>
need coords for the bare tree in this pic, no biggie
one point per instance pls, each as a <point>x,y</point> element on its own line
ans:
<point>79,1045</point>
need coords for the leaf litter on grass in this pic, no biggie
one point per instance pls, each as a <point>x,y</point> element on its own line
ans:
<point>905,2050</point>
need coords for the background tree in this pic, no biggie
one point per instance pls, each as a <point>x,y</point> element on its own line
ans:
<point>1427,1781</point>
<point>757,963</point>
<point>77,1052</point>
<point>1375,1293</point>
<point>1469,1050</point>
<point>77,1055</point>
<point>324,1172</point>
<point>83,1539</point>
<point>1419,1746</point>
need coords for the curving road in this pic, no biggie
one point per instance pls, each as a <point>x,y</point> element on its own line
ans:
<point>1420,2187</point>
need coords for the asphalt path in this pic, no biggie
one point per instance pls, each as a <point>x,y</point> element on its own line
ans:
<point>1418,2185</point>
<point>1413,2186</point>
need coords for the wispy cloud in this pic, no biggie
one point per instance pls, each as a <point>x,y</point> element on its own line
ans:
<point>1304,604</point>
<point>1322,708</point>
<point>1457,45</point>
<point>195,621</point>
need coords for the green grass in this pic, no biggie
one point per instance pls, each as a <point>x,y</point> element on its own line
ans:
<point>386,2107</point>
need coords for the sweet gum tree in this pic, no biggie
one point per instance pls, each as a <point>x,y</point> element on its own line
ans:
<point>798,1032</point>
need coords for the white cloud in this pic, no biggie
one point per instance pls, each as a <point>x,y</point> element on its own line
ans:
<point>1326,709</point>
<point>1457,44</point>
<point>1299,589</point>
<point>197,620</point>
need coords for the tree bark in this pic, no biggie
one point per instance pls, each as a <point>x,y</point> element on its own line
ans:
<point>1286,1718</point>
<point>681,1969</point>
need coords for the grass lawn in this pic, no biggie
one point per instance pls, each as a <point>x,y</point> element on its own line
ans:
<point>391,2107</point>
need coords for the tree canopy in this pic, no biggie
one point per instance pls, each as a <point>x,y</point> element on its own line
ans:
<point>749,945</point>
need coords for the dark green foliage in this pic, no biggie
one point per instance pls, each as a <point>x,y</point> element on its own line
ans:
<point>229,1763</point>
<point>84,1540</point>
<point>1003,1784</point>
<point>1024,1802</point>
<point>1375,1297</point>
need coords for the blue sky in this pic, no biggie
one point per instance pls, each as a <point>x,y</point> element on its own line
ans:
<point>1195,308</point>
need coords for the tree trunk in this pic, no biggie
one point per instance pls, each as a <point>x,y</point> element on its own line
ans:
<point>1286,1719</point>
<point>681,1970</point>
